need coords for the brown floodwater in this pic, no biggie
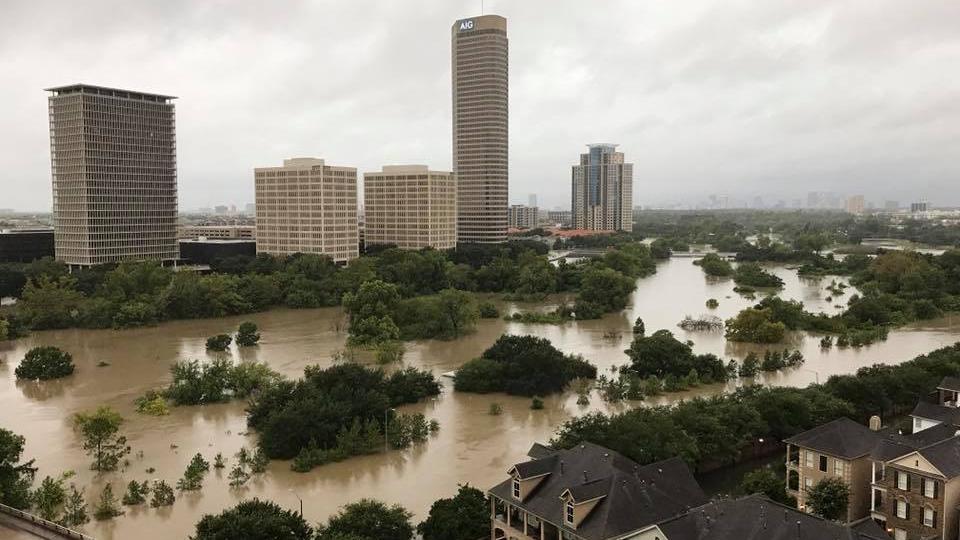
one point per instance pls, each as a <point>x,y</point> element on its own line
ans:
<point>471,447</point>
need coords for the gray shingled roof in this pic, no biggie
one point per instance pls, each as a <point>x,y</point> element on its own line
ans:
<point>635,496</point>
<point>950,383</point>
<point>841,437</point>
<point>945,456</point>
<point>758,518</point>
<point>894,445</point>
<point>536,467</point>
<point>937,412</point>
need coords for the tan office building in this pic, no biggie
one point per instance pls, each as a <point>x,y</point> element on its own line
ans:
<point>307,206</point>
<point>220,232</point>
<point>411,207</point>
<point>602,194</point>
<point>480,77</point>
<point>113,158</point>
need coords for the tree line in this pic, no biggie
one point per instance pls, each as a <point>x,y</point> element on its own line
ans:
<point>714,431</point>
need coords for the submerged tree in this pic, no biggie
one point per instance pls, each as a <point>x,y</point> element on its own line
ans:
<point>247,335</point>
<point>74,509</point>
<point>162,494</point>
<point>107,506</point>
<point>102,440</point>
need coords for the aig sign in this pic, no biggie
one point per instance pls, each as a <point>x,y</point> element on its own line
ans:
<point>466,25</point>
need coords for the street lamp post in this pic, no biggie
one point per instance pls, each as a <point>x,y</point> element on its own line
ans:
<point>299,499</point>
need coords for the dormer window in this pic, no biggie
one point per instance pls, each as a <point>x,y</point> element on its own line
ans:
<point>568,514</point>
<point>516,488</point>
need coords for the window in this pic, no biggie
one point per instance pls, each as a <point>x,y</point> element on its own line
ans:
<point>516,488</point>
<point>838,467</point>
<point>929,488</point>
<point>903,509</point>
<point>808,482</point>
<point>808,458</point>
<point>929,517</point>
<point>569,512</point>
<point>823,463</point>
<point>899,534</point>
<point>903,480</point>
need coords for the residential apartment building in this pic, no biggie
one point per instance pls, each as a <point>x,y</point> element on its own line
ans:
<point>563,218</point>
<point>411,207</point>
<point>479,57</point>
<point>838,449</point>
<point>307,206</point>
<point>222,232</point>
<point>113,157</point>
<point>915,485</point>
<point>591,493</point>
<point>756,517</point>
<point>912,486</point>
<point>522,216</point>
<point>602,190</point>
<point>943,409</point>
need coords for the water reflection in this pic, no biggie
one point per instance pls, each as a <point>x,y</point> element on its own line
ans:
<point>472,446</point>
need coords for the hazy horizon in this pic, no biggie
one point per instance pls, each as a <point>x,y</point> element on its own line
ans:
<point>754,98</point>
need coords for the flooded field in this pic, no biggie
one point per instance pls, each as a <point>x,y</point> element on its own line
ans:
<point>471,446</point>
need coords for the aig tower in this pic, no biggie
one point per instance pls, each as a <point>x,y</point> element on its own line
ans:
<point>479,55</point>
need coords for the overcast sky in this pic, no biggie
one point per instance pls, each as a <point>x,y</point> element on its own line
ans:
<point>770,98</point>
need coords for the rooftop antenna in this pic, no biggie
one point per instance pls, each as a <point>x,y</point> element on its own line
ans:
<point>481,7</point>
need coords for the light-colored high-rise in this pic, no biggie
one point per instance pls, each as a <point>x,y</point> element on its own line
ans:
<point>307,206</point>
<point>522,216</point>
<point>480,77</point>
<point>602,195</point>
<point>411,207</point>
<point>113,157</point>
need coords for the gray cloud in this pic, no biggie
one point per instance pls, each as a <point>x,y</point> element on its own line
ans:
<point>760,97</point>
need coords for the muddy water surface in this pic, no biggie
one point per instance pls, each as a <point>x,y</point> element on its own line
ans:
<point>471,446</point>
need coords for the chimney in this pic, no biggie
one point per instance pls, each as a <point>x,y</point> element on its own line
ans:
<point>584,476</point>
<point>561,466</point>
<point>875,423</point>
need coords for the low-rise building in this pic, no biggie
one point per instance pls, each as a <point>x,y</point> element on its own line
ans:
<point>838,449</point>
<point>223,232</point>
<point>207,250</point>
<point>26,245</point>
<point>589,492</point>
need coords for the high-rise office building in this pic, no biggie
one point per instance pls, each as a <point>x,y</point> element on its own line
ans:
<point>307,206</point>
<point>411,207</point>
<point>602,195</point>
<point>113,158</point>
<point>479,56</point>
<point>532,200</point>
<point>856,204</point>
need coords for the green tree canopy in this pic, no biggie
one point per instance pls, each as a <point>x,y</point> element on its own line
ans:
<point>253,520</point>
<point>466,515</point>
<point>829,498</point>
<point>368,520</point>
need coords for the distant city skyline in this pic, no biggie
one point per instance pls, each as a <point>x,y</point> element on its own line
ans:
<point>758,99</point>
